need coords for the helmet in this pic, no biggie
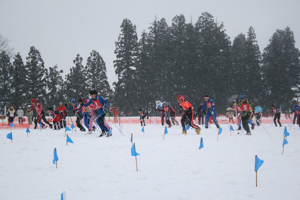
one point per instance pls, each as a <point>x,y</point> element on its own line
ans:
<point>243,96</point>
<point>73,101</point>
<point>140,110</point>
<point>180,98</point>
<point>33,100</point>
<point>206,95</point>
<point>158,106</point>
<point>50,108</point>
<point>60,103</point>
<point>165,103</point>
<point>93,92</point>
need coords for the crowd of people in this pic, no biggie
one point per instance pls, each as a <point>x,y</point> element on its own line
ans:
<point>93,111</point>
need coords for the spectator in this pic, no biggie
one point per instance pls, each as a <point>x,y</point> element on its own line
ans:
<point>20,114</point>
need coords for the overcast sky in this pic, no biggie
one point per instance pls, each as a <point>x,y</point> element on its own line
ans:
<point>60,29</point>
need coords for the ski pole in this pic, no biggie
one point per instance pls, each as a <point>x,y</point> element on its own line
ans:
<point>113,122</point>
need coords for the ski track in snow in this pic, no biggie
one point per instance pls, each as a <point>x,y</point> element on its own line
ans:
<point>173,168</point>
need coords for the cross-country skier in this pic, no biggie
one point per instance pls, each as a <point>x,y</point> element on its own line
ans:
<point>277,114</point>
<point>40,114</point>
<point>245,104</point>
<point>143,115</point>
<point>258,113</point>
<point>168,112</point>
<point>295,111</point>
<point>188,114</point>
<point>101,105</point>
<point>78,112</point>
<point>57,118</point>
<point>200,114</point>
<point>62,109</point>
<point>211,111</point>
<point>162,112</point>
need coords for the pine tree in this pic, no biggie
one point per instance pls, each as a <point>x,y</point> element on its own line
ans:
<point>36,78</point>
<point>76,86</point>
<point>281,69</point>
<point>19,85</point>
<point>96,74</point>
<point>55,86</point>
<point>6,72</point>
<point>125,67</point>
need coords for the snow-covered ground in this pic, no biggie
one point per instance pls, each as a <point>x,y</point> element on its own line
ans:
<point>170,168</point>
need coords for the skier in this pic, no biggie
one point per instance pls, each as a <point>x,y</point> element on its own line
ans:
<point>211,112</point>
<point>62,109</point>
<point>40,114</point>
<point>277,114</point>
<point>295,111</point>
<point>78,112</point>
<point>162,112</point>
<point>173,114</point>
<point>86,112</point>
<point>20,114</point>
<point>101,105</point>
<point>230,114</point>
<point>29,114</point>
<point>115,112</point>
<point>11,112</point>
<point>258,112</point>
<point>200,114</point>
<point>58,115</point>
<point>188,114</point>
<point>245,104</point>
<point>168,112</point>
<point>143,115</point>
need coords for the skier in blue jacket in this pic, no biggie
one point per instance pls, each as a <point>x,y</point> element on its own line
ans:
<point>101,105</point>
<point>211,111</point>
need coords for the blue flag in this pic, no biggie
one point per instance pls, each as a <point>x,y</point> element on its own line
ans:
<point>231,128</point>
<point>27,130</point>
<point>187,127</point>
<point>166,130</point>
<point>63,196</point>
<point>55,158</point>
<point>285,142</point>
<point>133,153</point>
<point>131,138</point>
<point>12,125</point>
<point>201,144</point>
<point>286,133</point>
<point>69,139</point>
<point>258,163</point>
<point>220,130</point>
<point>9,136</point>
<point>41,125</point>
<point>143,129</point>
<point>72,126</point>
<point>68,129</point>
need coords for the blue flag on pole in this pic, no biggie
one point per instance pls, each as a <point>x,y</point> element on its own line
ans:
<point>143,129</point>
<point>41,125</point>
<point>286,133</point>
<point>68,129</point>
<point>166,130</point>
<point>231,128</point>
<point>201,144</point>
<point>131,138</point>
<point>285,142</point>
<point>12,125</point>
<point>187,127</point>
<point>72,126</point>
<point>69,139</point>
<point>9,136</point>
<point>63,196</point>
<point>55,158</point>
<point>133,152</point>
<point>27,130</point>
<point>220,130</point>
<point>258,163</point>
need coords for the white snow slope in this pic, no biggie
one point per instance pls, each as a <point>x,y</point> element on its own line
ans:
<point>174,168</point>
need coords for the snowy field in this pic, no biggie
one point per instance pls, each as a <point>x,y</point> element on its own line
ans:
<point>170,168</point>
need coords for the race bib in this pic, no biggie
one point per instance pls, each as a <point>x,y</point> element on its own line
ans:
<point>97,104</point>
<point>245,107</point>
<point>208,104</point>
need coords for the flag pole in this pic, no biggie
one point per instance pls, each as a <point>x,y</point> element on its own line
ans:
<point>11,137</point>
<point>27,131</point>
<point>131,139</point>
<point>135,159</point>
<point>256,172</point>
<point>164,134</point>
<point>218,135</point>
<point>67,140</point>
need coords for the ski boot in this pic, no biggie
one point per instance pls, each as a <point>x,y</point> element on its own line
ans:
<point>253,126</point>
<point>198,130</point>
<point>184,132</point>
<point>102,134</point>
<point>82,129</point>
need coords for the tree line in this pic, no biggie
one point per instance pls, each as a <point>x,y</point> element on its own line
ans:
<point>182,58</point>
